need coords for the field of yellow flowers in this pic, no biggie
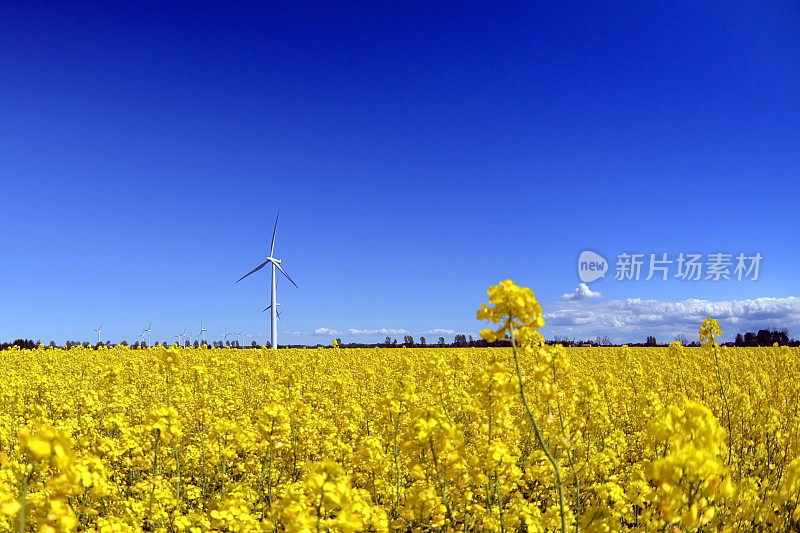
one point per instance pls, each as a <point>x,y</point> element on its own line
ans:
<point>597,439</point>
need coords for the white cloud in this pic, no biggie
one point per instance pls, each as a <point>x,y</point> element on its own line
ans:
<point>382,331</point>
<point>582,292</point>
<point>327,331</point>
<point>378,331</point>
<point>440,331</point>
<point>633,317</point>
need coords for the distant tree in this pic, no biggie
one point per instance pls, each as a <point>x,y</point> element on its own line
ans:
<point>408,340</point>
<point>52,344</point>
<point>651,341</point>
<point>460,340</point>
<point>394,342</point>
<point>25,344</point>
<point>388,341</point>
<point>227,344</point>
<point>136,344</point>
<point>471,341</point>
<point>422,341</point>
<point>764,337</point>
<point>781,336</point>
<point>124,343</point>
<point>196,344</point>
<point>338,342</point>
<point>750,339</point>
<point>441,341</point>
<point>254,344</point>
<point>681,338</point>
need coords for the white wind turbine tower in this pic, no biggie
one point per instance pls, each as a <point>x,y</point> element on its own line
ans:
<point>226,335</point>
<point>202,332</point>
<point>182,336</point>
<point>148,331</point>
<point>99,331</point>
<point>239,339</point>
<point>275,263</point>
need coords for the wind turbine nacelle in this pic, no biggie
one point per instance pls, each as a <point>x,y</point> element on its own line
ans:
<point>276,261</point>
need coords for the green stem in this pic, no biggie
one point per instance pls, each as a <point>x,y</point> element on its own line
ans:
<point>540,438</point>
<point>724,401</point>
<point>571,461</point>
<point>439,477</point>
<point>23,498</point>
<point>155,470</point>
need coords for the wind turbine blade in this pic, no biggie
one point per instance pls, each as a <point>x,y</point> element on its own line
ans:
<point>267,307</point>
<point>285,274</point>
<point>274,230</point>
<point>259,267</point>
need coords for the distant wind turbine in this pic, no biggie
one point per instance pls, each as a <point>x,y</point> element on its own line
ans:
<point>239,335</point>
<point>148,331</point>
<point>226,335</point>
<point>183,337</point>
<point>275,263</point>
<point>99,331</point>
<point>202,332</point>
<point>269,306</point>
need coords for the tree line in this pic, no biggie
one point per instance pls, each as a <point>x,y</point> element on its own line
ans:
<point>764,337</point>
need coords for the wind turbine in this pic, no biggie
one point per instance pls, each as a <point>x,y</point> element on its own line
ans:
<point>182,335</point>
<point>275,263</point>
<point>99,331</point>
<point>239,336</point>
<point>202,332</point>
<point>178,336</point>
<point>226,335</point>
<point>267,308</point>
<point>148,331</point>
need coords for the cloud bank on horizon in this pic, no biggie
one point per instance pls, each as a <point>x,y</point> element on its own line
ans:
<point>585,314</point>
<point>628,319</point>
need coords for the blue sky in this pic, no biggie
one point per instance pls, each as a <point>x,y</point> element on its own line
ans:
<point>418,152</point>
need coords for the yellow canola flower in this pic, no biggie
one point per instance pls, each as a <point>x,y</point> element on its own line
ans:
<point>514,306</point>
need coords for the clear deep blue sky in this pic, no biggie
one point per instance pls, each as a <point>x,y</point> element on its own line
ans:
<point>418,152</point>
